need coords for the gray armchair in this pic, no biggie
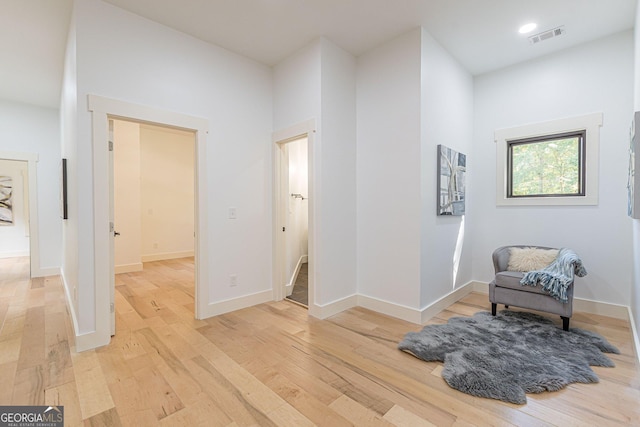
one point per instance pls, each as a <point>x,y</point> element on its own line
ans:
<point>506,289</point>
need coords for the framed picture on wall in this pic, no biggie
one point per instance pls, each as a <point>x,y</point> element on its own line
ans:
<point>633,180</point>
<point>64,211</point>
<point>452,167</point>
<point>6,200</point>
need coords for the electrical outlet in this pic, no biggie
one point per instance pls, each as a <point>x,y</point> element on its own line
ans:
<point>155,246</point>
<point>233,280</point>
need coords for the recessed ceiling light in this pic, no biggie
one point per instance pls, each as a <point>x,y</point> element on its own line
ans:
<point>527,28</point>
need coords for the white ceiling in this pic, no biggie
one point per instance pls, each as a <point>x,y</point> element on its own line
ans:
<point>481,34</point>
<point>33,36</point>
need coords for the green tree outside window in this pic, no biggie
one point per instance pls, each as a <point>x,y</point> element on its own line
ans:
<point>547,166</point>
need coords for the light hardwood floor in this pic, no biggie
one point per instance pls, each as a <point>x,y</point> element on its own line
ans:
<point>266,365</point>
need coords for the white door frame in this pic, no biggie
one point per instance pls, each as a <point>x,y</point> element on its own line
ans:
<point>301,130</point>
<point>34,230</point>
<point>102,109</point>
<point>112,231</point>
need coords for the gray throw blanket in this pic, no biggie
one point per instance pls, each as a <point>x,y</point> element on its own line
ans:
<point>557,276</point>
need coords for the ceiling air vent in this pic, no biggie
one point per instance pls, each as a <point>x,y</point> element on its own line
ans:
<point>546,35</point>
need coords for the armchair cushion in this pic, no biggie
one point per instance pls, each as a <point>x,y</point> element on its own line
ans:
<point>511,280</point>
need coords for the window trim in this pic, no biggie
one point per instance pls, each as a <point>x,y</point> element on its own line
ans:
<point>590,123</point>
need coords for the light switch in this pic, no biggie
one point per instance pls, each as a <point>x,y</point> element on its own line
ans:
<point>233,213</point>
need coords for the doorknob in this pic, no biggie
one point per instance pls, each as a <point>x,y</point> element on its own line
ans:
<point>115,233</point>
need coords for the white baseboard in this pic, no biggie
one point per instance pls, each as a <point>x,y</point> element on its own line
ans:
<point>91,340</point>
<point>86,341</point>
<point>14,254</point>
<point>409,314</point>
<point>328,310</point>
<point>390,309</point>
<point>480,287</point>
<point>44,272</point>
<point>70,304</point>
<point>452,297</point>
<point>421,316</point>
<point>128,268</point>
<point>221,307</point>
<point>166,255</point>
<point>601,308</point>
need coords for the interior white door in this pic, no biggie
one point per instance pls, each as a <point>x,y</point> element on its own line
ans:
<point>284,213</point>
<point>112,235</point>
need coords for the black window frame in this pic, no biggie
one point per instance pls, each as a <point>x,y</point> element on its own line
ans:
<point>582,170</point>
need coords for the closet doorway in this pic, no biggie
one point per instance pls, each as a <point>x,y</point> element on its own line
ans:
<point>296,177</point>
<point>294,248</point>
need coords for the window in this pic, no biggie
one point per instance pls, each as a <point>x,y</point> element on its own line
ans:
<point>546,166</point>
<point>549,163</point>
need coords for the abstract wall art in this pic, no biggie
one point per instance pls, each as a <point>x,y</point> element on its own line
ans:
<point>6,204</point>
<point>633,182</point>
<point>452,167</point>
<point>64,209</point>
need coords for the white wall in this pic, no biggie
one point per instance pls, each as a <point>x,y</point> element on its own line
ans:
<point>412,96</point>
<point>167,193</point>
<point>296,88</point>
<point>14,238</point>
<point>389,171</point>
<point>126,188</point>
<point>447,118</point>
<point>318,83</point>
<point>298,209</point>
<point>30,129</point>
<point>594,77</point>
<point>336,242</point>
<point>123,56</point>
<point>635,288</point>
<point>83,318</point>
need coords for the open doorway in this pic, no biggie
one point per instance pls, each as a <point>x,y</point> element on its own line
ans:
<point>153,203</point>
<point>102,109</point>
<point>14,209</point>
<point>19,235</point>
<point>153,194</point>
<point>294,213</point>
<point>296,189</point>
